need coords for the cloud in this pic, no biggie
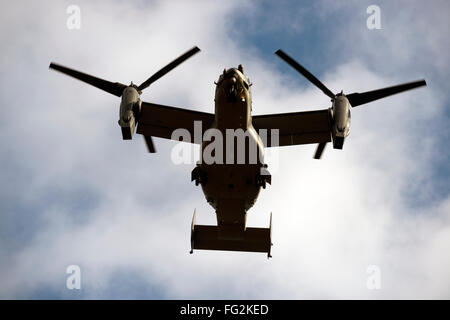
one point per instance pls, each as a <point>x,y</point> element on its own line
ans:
<point>78,194</point>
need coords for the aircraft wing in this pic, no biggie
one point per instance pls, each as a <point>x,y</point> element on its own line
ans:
<point>296,127</point>
<point>160,121</point>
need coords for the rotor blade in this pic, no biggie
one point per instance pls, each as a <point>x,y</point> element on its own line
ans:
<point>169,67</point>
<point>357,99</point>
<point>114,88</point>
<point>319,150</point>
<point>149,144</point>
<point>308,75</point>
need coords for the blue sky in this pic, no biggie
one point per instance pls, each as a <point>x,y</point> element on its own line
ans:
<point>74,193</point>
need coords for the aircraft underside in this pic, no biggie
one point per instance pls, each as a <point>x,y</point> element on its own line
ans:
<point>231,190</point>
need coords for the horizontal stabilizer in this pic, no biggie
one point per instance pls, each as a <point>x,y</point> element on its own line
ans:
<point>250,240</point>
<point>253,240</point>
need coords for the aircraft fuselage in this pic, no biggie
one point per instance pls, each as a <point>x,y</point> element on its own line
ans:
<point>232,187</point>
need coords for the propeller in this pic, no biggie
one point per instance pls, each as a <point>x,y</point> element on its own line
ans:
<point>149,143</point>
<point>117,88</point>
<point>308,75</point>
<point>175,63</point>
<point>356,98</point>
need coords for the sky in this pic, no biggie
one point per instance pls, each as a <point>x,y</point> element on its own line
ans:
<point>74,193</point>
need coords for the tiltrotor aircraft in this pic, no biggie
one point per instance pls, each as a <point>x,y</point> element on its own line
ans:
<point>232,187</point>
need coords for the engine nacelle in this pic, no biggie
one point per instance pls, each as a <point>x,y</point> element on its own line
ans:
<point>130,107</point>
<point>341,117</point>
